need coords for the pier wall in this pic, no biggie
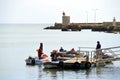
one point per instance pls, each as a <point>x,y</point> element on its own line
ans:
<point>91,25</point>
<point>104,26</point>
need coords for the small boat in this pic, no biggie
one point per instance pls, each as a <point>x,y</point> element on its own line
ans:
<point>35,61</point>
<point>67,60</point>
<point>72,63</point>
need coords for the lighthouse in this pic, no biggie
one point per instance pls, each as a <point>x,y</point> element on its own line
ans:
<point>65,19</point>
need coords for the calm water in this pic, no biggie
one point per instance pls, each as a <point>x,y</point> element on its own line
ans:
<point>17,42</point>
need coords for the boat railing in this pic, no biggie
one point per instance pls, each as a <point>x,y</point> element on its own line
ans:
<point>92,53</point>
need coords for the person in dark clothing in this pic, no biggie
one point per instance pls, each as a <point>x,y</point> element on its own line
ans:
<point>98,51</point>
<point>54,56</point>
<point>61,49</point>
<point>98,45</point>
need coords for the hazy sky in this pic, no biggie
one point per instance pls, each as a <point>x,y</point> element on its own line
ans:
<point>50,11</point>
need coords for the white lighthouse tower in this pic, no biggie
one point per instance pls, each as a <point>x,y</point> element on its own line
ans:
<point>65,19</point>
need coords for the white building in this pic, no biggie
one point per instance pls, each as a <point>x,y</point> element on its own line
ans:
<point>65,20</point>
<point>114,22</point>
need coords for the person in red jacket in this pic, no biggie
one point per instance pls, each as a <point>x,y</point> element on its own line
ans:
<point>40,50</point>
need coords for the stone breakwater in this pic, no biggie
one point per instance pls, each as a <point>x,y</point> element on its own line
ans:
<point>79,26</point>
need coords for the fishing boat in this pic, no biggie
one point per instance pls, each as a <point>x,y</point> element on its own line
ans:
<point>39,60</point>
<point>35,60</point>
<point>68,64</point>
<point>68,60</point>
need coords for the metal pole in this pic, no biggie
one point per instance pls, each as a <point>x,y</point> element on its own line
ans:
<point>95,15</point>
<point>86,18</point>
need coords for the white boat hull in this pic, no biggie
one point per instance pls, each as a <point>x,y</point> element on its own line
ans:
<point>35,61</point>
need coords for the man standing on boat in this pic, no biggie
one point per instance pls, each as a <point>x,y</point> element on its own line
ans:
<point>98,51</point>
<point>98,45</point>
<point>61,49</point>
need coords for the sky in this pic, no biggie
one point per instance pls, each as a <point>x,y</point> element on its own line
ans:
<point>50,11</point>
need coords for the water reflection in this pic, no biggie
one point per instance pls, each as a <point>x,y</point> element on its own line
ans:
<point>96,73</point>
<point>52,73</point>
<point>57,74</point>
<point>88,72</point>
<point>40,71</point>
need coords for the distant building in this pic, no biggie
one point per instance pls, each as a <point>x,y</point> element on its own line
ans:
<point>65,20</point>
<point>114,22</point>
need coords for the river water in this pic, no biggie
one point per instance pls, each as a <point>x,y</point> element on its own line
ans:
<point>17,42</point>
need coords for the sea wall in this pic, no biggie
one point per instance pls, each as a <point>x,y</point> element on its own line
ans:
<point>105,26</point>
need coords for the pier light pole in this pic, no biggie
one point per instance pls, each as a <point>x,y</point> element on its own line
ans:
<point>95,15</point>
<point>86,18</point>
